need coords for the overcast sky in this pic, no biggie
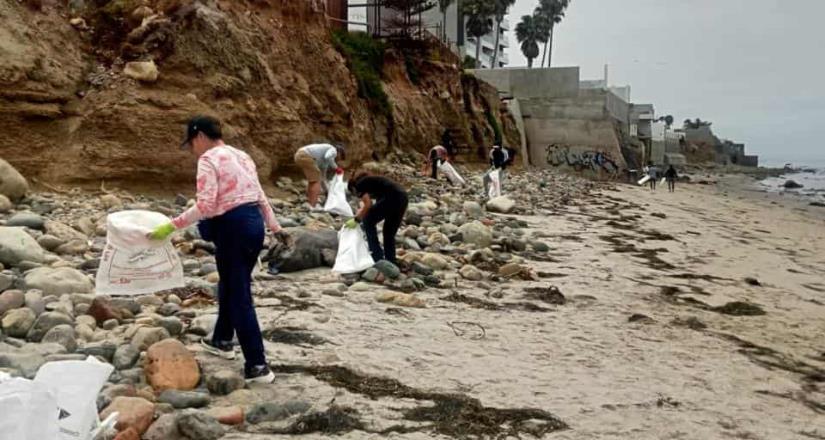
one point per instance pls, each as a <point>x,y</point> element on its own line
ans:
<point>755,68</point>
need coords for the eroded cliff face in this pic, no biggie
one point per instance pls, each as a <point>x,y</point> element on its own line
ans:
<point>267,69</point>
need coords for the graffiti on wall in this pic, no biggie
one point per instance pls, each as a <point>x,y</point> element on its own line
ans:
<point>598,161</point>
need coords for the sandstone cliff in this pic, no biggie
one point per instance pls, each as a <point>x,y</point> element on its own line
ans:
<point>268,69</point>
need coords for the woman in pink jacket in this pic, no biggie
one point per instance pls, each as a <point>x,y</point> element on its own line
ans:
<point>231,211</point>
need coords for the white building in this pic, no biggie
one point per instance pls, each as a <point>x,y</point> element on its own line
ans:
<point>433,22</point>
<point>456,36</point>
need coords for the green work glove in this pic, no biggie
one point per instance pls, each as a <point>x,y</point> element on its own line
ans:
<point>162,232</point>
<point>351,224</point>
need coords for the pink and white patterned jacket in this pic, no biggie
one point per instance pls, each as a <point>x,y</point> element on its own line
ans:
<point>227,178</point>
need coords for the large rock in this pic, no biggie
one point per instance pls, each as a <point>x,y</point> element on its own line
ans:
<point>46,322</point>
<point>147,336</point>
<point>170,366</point>
<point>184,399</point>
<point>16,246</point>
<point>11,299</point>
<point>471,273</point>
<point>6,281</point>
<point>165,428</point>
<point>473,209</point>
<point>63,231</point>
<point>26,363</point>
<point>103,310</point>
<point>12,184</point>
<point>144,71</point>
<point>134,412</point>
<point>306,252</point>
<point>200,426</point>
<point>435,261</point>
<point>26,219</point>
<point>125,357</point>
<point>58,281</point>
<point>224,382</point>
<point>18,322</point>
<point>5,204</point>
<point>62,334</point>
<point>477,234</point>
<point>501,205</point>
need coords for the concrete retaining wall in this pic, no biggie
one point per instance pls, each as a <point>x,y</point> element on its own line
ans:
<point>521,83</point>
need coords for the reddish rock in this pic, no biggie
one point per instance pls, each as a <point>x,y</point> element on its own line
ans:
<point>170,366</point>
<point>102,310</point>
<point>129,434</point>
<point>230,415</point>
<point>134,413</point>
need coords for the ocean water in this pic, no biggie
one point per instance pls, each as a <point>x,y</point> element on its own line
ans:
<point>811,179</point>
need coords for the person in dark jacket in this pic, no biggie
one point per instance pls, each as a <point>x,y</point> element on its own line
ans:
<point>437,156</point>
<point>671,176</point>
<point>383,200</point>
<point>498,161</point>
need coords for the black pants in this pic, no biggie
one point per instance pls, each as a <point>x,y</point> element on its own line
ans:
<point>671,185</point>
<point>434,166</point>
<point>239,237</point>
<point>391,212</point>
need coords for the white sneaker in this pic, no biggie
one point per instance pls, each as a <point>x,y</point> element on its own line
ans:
<point>227,353</point>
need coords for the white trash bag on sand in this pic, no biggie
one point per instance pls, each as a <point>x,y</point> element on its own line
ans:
<point>28,410</point>
<point>59,404</point>
<point>495,184</point>
<point>449,170</point>
<point>133,264</point>
<point>353,252</point>
<point>337,198</point>
<point>76,385</point>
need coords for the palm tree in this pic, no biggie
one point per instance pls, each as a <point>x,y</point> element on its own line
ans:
<point>529,34</point>
<point>501,7</point>
<point>553,13</point>
<point>443,5</point>
<point>479,23</point>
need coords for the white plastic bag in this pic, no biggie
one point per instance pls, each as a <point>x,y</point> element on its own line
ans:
<point>133,264</point>
<point>28,411</point>
<point>337,198</point>
<point>451,173</point>
<point>353,252</point>
<point>75,385</point>
<point>495,184</point>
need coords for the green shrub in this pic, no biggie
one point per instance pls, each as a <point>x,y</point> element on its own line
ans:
<point>365,56</point>
<point>491,119</point>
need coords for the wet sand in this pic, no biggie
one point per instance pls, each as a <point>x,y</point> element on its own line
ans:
<point>644,346</point>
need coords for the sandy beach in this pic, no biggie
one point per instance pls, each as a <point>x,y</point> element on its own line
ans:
<point>648,344</point>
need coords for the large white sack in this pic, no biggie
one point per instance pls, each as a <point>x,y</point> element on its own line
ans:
<point>353,252</point>
<point>28,411</point>
<point>451,173</point>
<point>495,184</point>
<point>76,385</point>
<point>133,264</point>
<point>337,198</point>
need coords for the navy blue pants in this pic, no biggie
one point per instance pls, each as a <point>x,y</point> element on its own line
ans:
<point>391,212</point>
<point>239,237</point>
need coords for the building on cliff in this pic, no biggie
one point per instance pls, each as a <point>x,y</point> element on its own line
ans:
<point>564,121</point>
<point>449,27</point>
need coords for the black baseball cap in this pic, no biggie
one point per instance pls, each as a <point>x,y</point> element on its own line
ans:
<point>207,125</point>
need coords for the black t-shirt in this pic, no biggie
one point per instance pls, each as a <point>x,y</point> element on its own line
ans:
<point>380,188</point>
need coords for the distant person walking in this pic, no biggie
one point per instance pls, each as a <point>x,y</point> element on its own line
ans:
<point>317,161</point>
<point>671,176</point>
<point>437,156</point>
<point>653,173</point>
<point>389,206</point>
<point>498,161</point>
